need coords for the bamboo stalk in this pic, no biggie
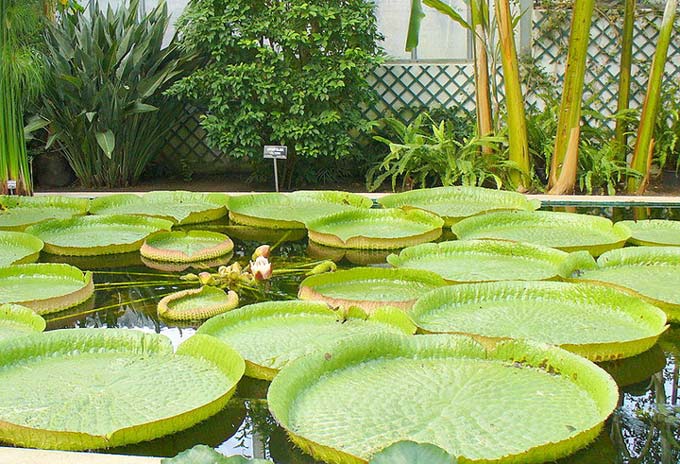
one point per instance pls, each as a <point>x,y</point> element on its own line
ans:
<point>624,77</point>
<point>482,85</point>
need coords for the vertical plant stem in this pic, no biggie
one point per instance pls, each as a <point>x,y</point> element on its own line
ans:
<point>517,126</point>
<point>642,153</point>
<point>482,84</point>
<point>624,77</point>
<point>572,93</point>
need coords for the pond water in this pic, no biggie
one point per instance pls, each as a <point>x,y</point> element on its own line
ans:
<point>644,429</point>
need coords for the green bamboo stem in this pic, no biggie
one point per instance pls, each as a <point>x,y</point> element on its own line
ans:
<point>644,143</point>
<point>572,93</point>
<point>516,118</point>
<point>620,134</point>
<point>482,84</point>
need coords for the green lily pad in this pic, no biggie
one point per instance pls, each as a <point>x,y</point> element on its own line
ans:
<point>565,231</point>
<point>186,247</point>
<point>202,454</point>
<point>75,389</point>
<point>177,206</point>
<point>375,229</point>
<point>270,335</point>
<point>19,248</point>
<point>409,452</point>
<point>369,287</point>
<point>293,210</point>
<point>456,203</point>
<point>654,232</point>
<point>18,212</point>
<point>483,260</point>
<point>652,273</point>
<point>597,322</point>
<point>16,321</point>
<point>45,288</point>
<point>359,257</point>
<point>631,371</point>
<point>264,235</point>
<point>197,304</point>
<point>97,235</point>
<point>175,267</point>
<point>349,402</point>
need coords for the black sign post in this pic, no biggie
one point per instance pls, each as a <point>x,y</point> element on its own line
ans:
<point>276,152</point>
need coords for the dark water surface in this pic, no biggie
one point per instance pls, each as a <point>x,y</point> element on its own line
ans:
<point>644,429</point>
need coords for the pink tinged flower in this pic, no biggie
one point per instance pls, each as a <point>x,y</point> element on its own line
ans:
<point>261,268</point>
<point>262,250</point>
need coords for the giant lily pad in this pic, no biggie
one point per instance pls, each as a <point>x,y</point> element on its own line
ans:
<point>375,229</point>
<point>97,235</point>
<point>178,206</point>
<point>654,232</point>
<point>18,212</point>
<point>79,389</point>
<point>45,288</point>
<point>369,287</point>
<point>270,335</point>
<point>293,210</point>
<point>186,247</point>
<point>16,321</point>
<point>18,248</point>
<point>482,260</point>
<point>565,231</point>
<point>597,322</point>
<point>354,256</point>
<point>197,304</point>
<point>456,203</point>
<point>516,402</point>
<point>652,273</point>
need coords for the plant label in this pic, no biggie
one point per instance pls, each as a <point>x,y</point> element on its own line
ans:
<point>276,151</point>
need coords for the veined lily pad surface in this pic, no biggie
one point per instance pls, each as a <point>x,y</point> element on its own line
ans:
<point>293,210</point>
<point>179,207</point>
<point>482,260</point>
<point>185,247</point>
<point>370,287</point>
<point>654,232</point>
<point>45,288</point>
<point>375,228</point>
<point>565,231</point>
<point>97,235</point>
<point>456,203</point>
<point>347,403</point>
<point>597,322</point>
<point>270,335</point>
<point>17,212</point>
<point>197,304</point>
<point>650,272</point>
<point>16,321</point>
<point>78,389</point>
<point>18,248</point>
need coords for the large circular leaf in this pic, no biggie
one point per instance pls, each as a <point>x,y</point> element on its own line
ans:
<point>19,212</point>
<point>354,256</point>
<point>19,248</point>
<point>517,402</point>
<point>369,287</point>
<point>482,260</point>
<point>270,335</point>
<point>97,235</point>
<point>81,389</point>
<point>197,304</point>
<point>375,228</point>
<point>178,206</point>
<point>596,322</point>
<point>293,210</point>
<point>16,321</point>
<point>45,288</point>
<point>565,231</point>
<point>186,247</point>
<point>654,232</point>
<point>456,203</point>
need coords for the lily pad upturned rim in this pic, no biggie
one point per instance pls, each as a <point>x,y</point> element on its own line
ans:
<point>281,309</point>
<point>21,316</point>
<point>422,198</point>
<point>30,244</point>
<point>652,320</point>
<point>70,206</point>
<point>300,374</point>
<point>91,341</point>
<point>308,291</point>
<point>321,229</point>
<point>488,247</point>
<point>57,303</point>
<point>150,224</point>
<point>654,224</point>
<point>152,250</point>
<point>227,301</point>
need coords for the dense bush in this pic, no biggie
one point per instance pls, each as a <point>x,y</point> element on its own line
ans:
<point>285,72</point>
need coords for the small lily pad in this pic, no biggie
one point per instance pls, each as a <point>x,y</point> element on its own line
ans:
<point>19,248</point>
<point>197,304</point>
<point>19,212</point>
<point>654,232</point>
<point>186,247</point>
<point>16,321</point>
<point>409,452</point>
<point>202,454</point>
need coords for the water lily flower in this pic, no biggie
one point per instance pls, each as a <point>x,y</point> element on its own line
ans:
<point>262,250</point>
<point>261,268</point>
<point>323,267</point>
<point>206,278</point>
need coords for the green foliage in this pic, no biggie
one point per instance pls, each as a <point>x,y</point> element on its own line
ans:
<point>409,452</point>
<point>203,454</point>
<point>667,130</point>
<point>104,102</point>
<point>283,72</point>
